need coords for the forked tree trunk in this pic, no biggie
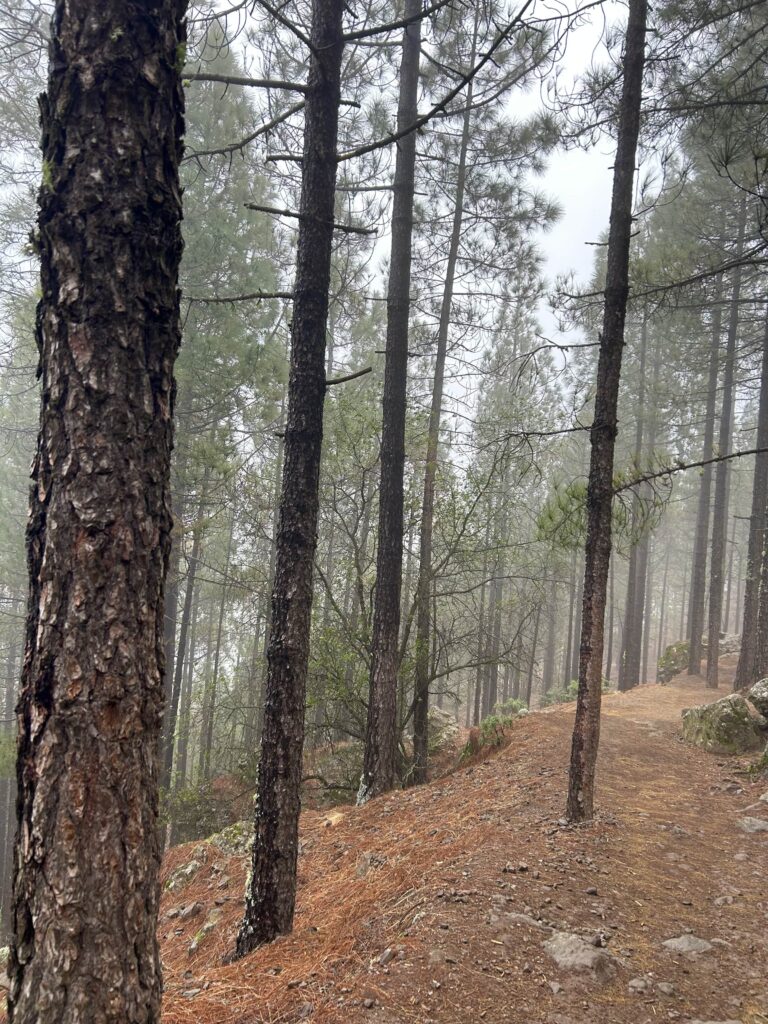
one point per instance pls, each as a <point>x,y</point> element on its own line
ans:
<point>98,537</point>
<point>722,472</point>
<point>271,893</point>
<point>586,733</point>
<point>380,758</point>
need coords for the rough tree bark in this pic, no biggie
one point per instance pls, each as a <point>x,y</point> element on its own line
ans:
<point>98,537</point>
<point>722,471</point>
<point>379,763</point>
<point>271,893</point>
<point>586,733</point>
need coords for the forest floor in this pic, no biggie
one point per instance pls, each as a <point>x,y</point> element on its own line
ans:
<point>434,904</point>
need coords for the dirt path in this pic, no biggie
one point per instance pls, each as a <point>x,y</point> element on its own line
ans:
<point>434,904</point>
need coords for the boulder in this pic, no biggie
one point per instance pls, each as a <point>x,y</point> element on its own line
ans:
<point>758,696</point>
<point>724,727</point>
<point>673,661</point>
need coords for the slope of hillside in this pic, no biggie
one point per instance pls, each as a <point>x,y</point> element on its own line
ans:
<point>435,904</point>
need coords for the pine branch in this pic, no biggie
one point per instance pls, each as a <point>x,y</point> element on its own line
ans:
<point>278,212</point>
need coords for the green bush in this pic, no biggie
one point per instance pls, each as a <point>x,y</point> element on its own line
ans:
<point>511,707</point>
<point>568,694</point>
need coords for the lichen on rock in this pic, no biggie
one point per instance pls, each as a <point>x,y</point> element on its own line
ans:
<point>723,727</point>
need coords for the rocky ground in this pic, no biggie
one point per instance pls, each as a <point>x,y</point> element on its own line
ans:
<point>471,900</point>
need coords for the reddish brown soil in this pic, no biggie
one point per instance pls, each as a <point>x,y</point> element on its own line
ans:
<point>422,873</point>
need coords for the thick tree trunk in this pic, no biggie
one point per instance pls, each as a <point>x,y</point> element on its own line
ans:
<point>379,763</point>
<point>271,893</point>
<point>701,537</point>
<point>423,623</point>
<point>586,733</point>
<point>722,471</point>
<point>746,671</point>
<point>98,538</point>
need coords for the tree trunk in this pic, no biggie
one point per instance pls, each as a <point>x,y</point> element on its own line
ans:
<point>701,537</point>
<point>647,609</point>
<point>633,622</point>
<point>379,763</point>
<point>548,668</point>
<point>209,697</point>
<point>746,671</point>
<point>660,647</point>
<point>481,638</point>
<point>271,892</point>
<point>532,664</point>
<point>569,640</point>
<point>423,624</point>
<point>586,733</point>
<point>175,690</point>
<point>86,890</point>
<point>185,704</point>
<point>611,608</point>
<point>722,471</point>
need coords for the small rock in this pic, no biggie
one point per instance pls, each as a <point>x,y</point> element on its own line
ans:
<point>591,891</point>
<point>555,986</point>
<point>573,953</point>
<point>369,1004</point>
<point>638,985</point>
<point>186,913</point>
<point>687,944</point>
<point>753,825</point>
<point>665,988</point>
<point>387,956</point>
<point>190,993</point>
<point>723,901</point>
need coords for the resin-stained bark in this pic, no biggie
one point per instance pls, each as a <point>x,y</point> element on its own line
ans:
<point>87,855</point>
